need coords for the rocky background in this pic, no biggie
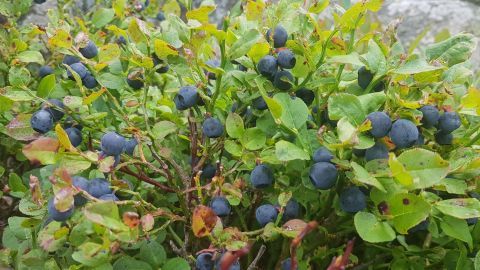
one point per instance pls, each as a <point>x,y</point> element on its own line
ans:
<point>438,16</point>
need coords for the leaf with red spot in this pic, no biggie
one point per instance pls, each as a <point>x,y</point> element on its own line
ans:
<point>43,150</point>
<point>131,219</point>
<point>204,220</point>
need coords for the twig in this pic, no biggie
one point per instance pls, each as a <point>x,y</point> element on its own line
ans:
<point>341,262</point>
<point>298,240</point>
<point>147,179</point>
<point>230,257</point>
<point>253,265</point>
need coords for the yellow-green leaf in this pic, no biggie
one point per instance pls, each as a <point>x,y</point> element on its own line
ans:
<point>200,14</point>
<point>163,49</point>
<point>258,51</point>
<point>63,137</point>
<point>399,171</point>
<point>109,52</point>
<point>93,96</point>
<point>61,39</point>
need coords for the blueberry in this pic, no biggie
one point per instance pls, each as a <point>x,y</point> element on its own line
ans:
<point>108,197</point>
<point>287,264</point>
<point>472,221</point>
<point>422,226</point>
<point>359,152</point>
<point>380,86</point>
<point>74,135</point>
<point>444,138</point>
<point>323,175</point>
<point>213,64</point>
<point>261,176</point>
<point>381,124</point>
<point>212,128</point>
<point>286,59</point>
<point>204,262</point>
<point>377,151</point>
<point>259,103</point>
<point>130,146</point>
<point>365,76</point>
<point>89,51</point>
<point>283,80</point>
<point>292,210</point>
<point>89,81</point>
<point>51,108</point>
<point>70,60</point>
<point>267,66</point>
<point>121,40</point>
<point>352,200</point>
<point>135,80</point>
<point>430,116</point>
<point>99,187</point>
<point>280,36</point>
<point>160,16</point>
<point>80,69</point>
<point>162,66</point>
<point>44,71</point>
<point>322,154</point>
<point>208,171</point>
<point>234,266</point>
<point>306,95</point>
<point>83,184</point>
<point>220,206</point>
<point>265,214</point>
<point>420,140</point>
<point>58,215</point>
<point>448,122</point>
<point>39,1</point>
<point>112,144</point>
<point>242,68</point>
<point>186,98</point>
<point>404,133</point>
<point>42,121</point>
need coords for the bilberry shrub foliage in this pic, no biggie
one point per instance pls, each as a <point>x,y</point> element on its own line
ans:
<point>111,116</point>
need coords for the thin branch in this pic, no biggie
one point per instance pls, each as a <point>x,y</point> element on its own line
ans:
<point>253,265</point>
<point>147,179</point>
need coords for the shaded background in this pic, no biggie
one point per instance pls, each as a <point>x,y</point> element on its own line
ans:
<point>436,17</point>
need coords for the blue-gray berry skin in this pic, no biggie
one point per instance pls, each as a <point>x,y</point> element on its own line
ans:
<point>283,80</point>
<point>112,144</point>
<point>44,71</point>
<point>99,187</point>
<point>74,135</point>
<point>160,16</point>
<point>322,154</point>
<point>431,115</point>
<point>448,122</point>
<point>83,184</point>
<point>381,124</point>
<point>352,200</point>
<point>323,175</point>
<point>422,226</point>
<point>42,121</point>
<point>135,81</point>
<point>220,206</point>
<point>204,261</point>
<point>286,59</point>
<point>287,264</point>
<point>121,40</point>
<point>444,138</point>
<point>213,63</point>
<point>420,140</point>
<point>89,81</point>
<point>89,51</point>
<point>80,69</point>
<point>187,97</point>
<point>404,133</point>
<point>39,1</point>
<point>70,60</point>
<point>267,66</point>
<point>163,67</point>
<point>130,146</point>
<point>377,151</point>
<point>365,76</point>
<point>108,197</point>
<point>261,176</point>
<point>472,221</point>
<point>56,214</point>
<point>359,152</point>
<point>306,95</point>
<point>235,266</point>
<point>265,214</point>
<point>259,103</point>
<point>292,210</point>
<point>279,36</point>
<point>124,186</point>
<point>212,128</point>
<point>52,107</point>
<point>208,171</point>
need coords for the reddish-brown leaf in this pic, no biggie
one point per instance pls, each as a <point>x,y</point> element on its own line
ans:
<point>131,219</point>
<point>203,221</point>
<point>35,190</point>
<point>43,150</point>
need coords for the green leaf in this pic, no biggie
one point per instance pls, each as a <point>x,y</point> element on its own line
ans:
<point>111,81</point>
<point>286,151</point>
<point>253,139</point>
<point>5,104</point>
<point>376,59</point>
<point>102,17</point>
<point>372,230</point>
<point>46,86</point>
<point>457,228</point>
<point>454,50</point>
<point>106,214</point>
<point>162,129</point>
<point>108,53</point>
<point>91,254</point>
<point>233,148</point>
<point>176,264</point>
<point>460,208</point>
<point>476,261</point>
<point>346,105</point>
<point>294,111</point>
<point>426,167</point>
<point>153,253</point>
<point>454,186</point>
<point>129,263</point>
<point>234,125</point>
<point>363,176</point>
<point>31,57</point>
<point>415,66</point>
<point>243,45</point>
<point>18,76</point>
<point>353,59</point>
<point>407,210</point>
<point>53,236</point>
<point>372,102</point>
<point>15,183</point>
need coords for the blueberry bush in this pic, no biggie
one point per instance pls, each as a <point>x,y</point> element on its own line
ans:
<point>294,135</point>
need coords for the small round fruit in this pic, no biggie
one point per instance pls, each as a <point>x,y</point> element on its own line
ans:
<point>89,81</point>
<point>74,135</point>
<point>99,187</point>
<point>322,154</point>
<point>42,121</point>
<point>212,128</point>
<point>444,138</point>
<point>130,146</point>
<point>259,103</point>
<point>89,51</point>
<point>352,200</point>
<point>381,124</point>
<point>422,226</point>
<point>431,115</point>
<point>261,176</point>
<point>323,175</point>
<point>208,171</point>
<point>234,266</point>
<point>83,184</point>
<point>448,122</point>
<point>267,66</point>
<point>160,16</point>
<point>112,144</point>
<point>70,60</point>
<point>286,59</point>
<point>283,80</point>
<point>162,65</point>
<point>280,36</point>
<point>404,133</point>
<point>377,151</point>
<point>306,95</point>
<point>39,1</point>
<point>134,80</point>
<point>220,206</point>
<point>214,63</point>
<point>365,76</point>
<point>287,264</point>
<point>51,108</point>
<point>204,262</point>
<point>57,215</point>
<point>186,98</point>
<point>121,40</point>
<point>44,71</point>
<point>472,221</point>
<point>108,197</point>
<point>265,214</point>
<point>292,210</point>
<point>79,68</point>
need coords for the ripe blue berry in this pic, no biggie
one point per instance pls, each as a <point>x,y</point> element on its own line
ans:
<point>130,146</point>
<point>352,200</point>
<point>83,184</point>
<point>160,16</point>
<point>51,108</point>
<point>109,197</point>
<point>286,59</point>
<point>135,80</point>
<point>89,81</point>
<point>161,64</point>
<point>280,36</point>
<point>74,135</point>
<point>404,133</point>
<point>204,262</point>
<point>322,154</point>
<point>292,210</point>
<point>265,214</point>
<point>259,103</point>
<point>186,98</point>
<point>444,138</point>
<point>80,69</point>
<point>323,175</point>
<point>89,51</point>
<point>381,124</point>
<point>306,95</point>
<point>57,215</point>
<point>220,206</point>
<point>212,128</point>
<point>44,71</point>
<point>99,187</point>
<point>261,176</point>
<point>208,171</point>
<point>431,115</point>
<point>42,121</point>
<point>283,80</point>
<point>112,144</point>
<point>267,66</point>
<point>365,76</point>
<point>70,60</point>
<point>377,151</point>
<point>448,122</point>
